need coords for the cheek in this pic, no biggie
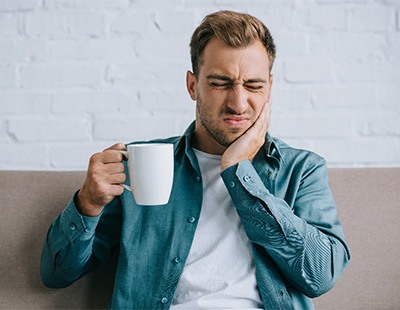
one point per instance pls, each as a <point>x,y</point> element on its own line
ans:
<point>213,98</point>
<point>257,102</point>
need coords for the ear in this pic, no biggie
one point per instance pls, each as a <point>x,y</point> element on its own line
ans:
<point>270,82</point>
<point>191,83</point>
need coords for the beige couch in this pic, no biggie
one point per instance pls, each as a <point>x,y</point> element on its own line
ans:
<point>368,203</point>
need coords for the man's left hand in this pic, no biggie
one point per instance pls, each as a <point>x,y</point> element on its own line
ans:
<point>247,146</point>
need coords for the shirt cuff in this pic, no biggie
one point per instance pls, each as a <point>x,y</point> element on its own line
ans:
<point>241,180</point>
<point>75,225</point>
<point>249,194</point>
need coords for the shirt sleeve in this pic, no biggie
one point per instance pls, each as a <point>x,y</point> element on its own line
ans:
<point>304,239</point>
<point>76,244</point>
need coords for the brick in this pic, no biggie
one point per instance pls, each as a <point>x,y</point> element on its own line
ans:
<point>350,47</point>
<point>93,102</point>
<point>175,22</point>
<point>240,4</point>
<point>308,70</point>
<point>290,45</point>
<point>359,151</point>
<point>172,101</point>
<point>183,121</point>
<point>23,156</point>
<point>54,23</point>
<point>277,16</point>
<point>74,156</point>
<point>19,102</point>
<point>3,130</point>
<point>134,128</point>
<point>330,2</point>
<point>77,76</point>
<point>392,50</point>
<point>88,4</point>
<point>164,46</point>
<point>9,25</point>
<point>61,75</point>
<point>339,97</point>
<point>55,129</point>
<point>278,72</point>
<point>160,75</point>
<point>388,96</point>
<point>135,76</point>
<point>130,22</point>
<point>42,23</point>
<point>86,24</point>
<point>328,18</point>
<point>92,49</point>
<point>20,5</point>
<point>290,98</point>
<point>360,72</point>
<point>382,125</point>
<point>398,20</point>
<point>22,50</point>
<point>311,126</point>
<point>7,76</point>
<point>371,19</point>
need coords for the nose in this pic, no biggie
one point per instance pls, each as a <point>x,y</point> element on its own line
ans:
<point>236,99</point>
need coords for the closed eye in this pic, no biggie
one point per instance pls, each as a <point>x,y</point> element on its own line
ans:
<point>254,87</point>
<point>220,85</point>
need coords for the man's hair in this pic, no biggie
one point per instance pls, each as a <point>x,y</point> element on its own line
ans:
<point>234,29</point>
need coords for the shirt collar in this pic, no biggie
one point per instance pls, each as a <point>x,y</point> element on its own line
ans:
<point>272,148</point>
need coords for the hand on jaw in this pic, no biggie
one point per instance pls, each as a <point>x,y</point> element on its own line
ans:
<point>247,146</point>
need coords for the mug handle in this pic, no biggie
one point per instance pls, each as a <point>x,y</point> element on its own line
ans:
<point>125,153</point>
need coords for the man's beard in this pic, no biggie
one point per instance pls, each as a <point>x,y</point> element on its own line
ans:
<point>221,137</point>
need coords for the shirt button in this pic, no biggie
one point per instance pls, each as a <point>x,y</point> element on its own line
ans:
<point>232,184</point>
<point>198,179</point>
<point>88,229</point>
<point>177,260</point>
<point>72,226</point>
<point>164,300</point>
<point>191,219</point>
<point>246,178</point>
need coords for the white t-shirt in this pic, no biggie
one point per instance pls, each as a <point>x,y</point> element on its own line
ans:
<point>219,272</point>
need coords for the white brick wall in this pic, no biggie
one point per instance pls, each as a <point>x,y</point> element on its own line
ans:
<point>79,75</point>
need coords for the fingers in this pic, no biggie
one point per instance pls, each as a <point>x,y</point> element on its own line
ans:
<point>264,117</point>
<point>118,147</point>
<point>260,126</point>
<point>108,156</point>
<point>116,190</point>
<point>106,173</point>
<point>111,156</point>
<point>111,172</point>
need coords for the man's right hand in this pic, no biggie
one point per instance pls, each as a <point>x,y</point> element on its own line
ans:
<point>103,181</point>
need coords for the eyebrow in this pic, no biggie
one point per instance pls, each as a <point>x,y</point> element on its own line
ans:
<point>219,77</point>
<point>228,79</point>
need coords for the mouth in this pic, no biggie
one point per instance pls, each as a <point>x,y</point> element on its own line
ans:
<point>236,121</point>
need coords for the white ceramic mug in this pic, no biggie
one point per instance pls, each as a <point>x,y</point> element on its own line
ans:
<point>151,172</point>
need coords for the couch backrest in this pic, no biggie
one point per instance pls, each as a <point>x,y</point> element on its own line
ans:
<point>368,203</point>
<point>369,206</point>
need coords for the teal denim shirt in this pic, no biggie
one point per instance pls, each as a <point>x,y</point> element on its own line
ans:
<point>284,203</point>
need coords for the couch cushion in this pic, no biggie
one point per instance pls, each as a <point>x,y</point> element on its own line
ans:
<point>368,204</point>
<point>29,202</point>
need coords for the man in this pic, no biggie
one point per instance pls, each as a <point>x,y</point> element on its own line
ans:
<point>251,222</point>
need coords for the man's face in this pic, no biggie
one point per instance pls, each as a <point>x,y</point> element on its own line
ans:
<point>231,88</point>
